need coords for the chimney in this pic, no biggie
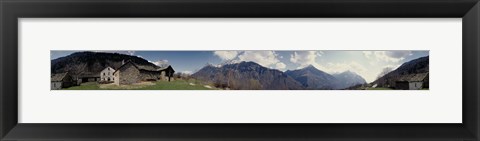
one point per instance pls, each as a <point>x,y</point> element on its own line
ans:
<point>123,62</point>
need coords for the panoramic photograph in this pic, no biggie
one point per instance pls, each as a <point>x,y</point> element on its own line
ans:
<point>240,70</point>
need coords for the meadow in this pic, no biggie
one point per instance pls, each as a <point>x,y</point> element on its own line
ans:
<point>179,84</point>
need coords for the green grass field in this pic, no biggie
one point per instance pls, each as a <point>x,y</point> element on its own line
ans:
<point>176,85</point>
<point>159,85</point>
<point>85,86</point>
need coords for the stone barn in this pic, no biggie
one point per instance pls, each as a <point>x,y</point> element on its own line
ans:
<point>106,75</point>
<point>127,74</point>
<point>61,80</point>
<point>166,73</point>
<point>412,82</point>
<point>130,73</point>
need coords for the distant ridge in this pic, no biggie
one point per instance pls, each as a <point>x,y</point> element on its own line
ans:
<point>250,76</point>
<point>347,79</point>
<point>247,76</point>
<point>313,78</point>
<point>94,62</point>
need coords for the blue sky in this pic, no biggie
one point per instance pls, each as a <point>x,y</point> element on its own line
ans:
<point>367,64</point>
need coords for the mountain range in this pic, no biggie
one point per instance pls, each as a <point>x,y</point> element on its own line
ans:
<point>247,76</point>
<point>250,75</point>
<point>347,79</point>
<point>312,78</point>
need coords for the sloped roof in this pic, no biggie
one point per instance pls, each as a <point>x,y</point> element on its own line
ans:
<point>108,67</point>
<point>139,67</point>
<point>161,69</point>
<point>89,74</point>
<point>147,68</point>
<point>58,77</point>
<point>413,77</point>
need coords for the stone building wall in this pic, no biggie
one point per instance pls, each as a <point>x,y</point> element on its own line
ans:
<point>56,85</point>
<point>116,75</point>
<point>129,75</point>
<point>149,75</point>
<point>163,75</point>
<point>416,85</point>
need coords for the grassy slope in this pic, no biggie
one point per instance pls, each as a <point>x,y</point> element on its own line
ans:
<point>85,86</point>
<point>159,85</point>
<point>174,85</point>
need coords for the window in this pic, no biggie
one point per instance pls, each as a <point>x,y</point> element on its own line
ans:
<point>103,74</point>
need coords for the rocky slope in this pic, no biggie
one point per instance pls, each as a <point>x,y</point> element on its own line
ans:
<point>247,76</point>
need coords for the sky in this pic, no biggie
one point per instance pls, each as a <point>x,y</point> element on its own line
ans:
<point>368,64</point>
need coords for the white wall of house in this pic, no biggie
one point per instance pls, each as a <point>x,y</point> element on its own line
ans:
<point>415,85</point>
<point>56,86</point>
<point>162,75</point>
<point>107,75</point>
<point>117,78</point>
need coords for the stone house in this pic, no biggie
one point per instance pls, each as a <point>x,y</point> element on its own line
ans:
<point>106,75</point>
<point>130,73</point>
<point>61,80</point>
<point>412,82</point>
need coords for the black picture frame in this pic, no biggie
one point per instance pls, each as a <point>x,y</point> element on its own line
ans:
<point>11,10</point>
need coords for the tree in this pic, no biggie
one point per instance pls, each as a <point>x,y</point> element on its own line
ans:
<point>231,80</point>
<point>255,84</point>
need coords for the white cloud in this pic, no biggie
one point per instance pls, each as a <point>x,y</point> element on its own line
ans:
<point>160,63</point>
<point>226,55</point>
<point>393,66</point>
<point>130,52</point>
<point>386,56</point>
<point>305,58</point>
<point>398,54</point>
<point>319,53</point>
<point>280,66</point>
<point>342,67</point>
<point>367,54</point>
<point>352,66</point>
<point>187,72</point>
<point>264,58</point>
